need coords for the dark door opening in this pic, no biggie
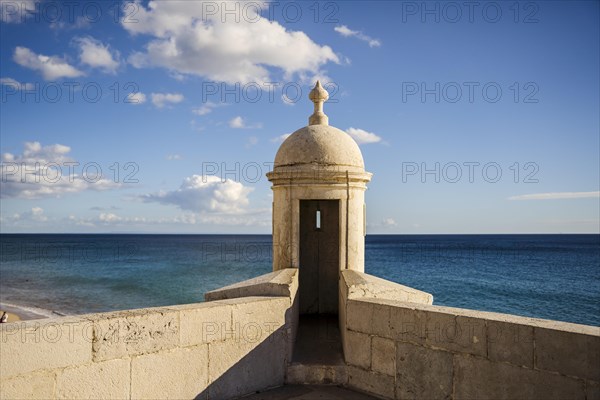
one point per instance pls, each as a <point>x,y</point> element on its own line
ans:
<point>319,256</point>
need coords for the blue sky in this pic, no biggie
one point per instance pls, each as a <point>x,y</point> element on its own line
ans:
<point>163,117</point>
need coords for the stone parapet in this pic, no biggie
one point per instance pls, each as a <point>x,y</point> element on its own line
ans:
<point>283,283</point>
<point>205,351</point>
<point>358,285</point>
<point>409,350</point>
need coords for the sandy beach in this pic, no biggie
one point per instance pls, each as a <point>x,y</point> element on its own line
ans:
<point>18,313</point>
<point>11,317</point>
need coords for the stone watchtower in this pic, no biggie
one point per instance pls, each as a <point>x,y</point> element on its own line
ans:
<point>319,181</point>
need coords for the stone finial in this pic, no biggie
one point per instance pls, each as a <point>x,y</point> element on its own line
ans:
<point>318,96</point>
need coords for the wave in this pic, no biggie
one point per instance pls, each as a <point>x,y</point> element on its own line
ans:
<point>29,312</point>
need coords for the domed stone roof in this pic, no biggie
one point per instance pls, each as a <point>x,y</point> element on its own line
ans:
<point>318,143</point>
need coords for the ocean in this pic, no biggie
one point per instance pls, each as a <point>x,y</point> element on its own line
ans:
<point>543,276</point>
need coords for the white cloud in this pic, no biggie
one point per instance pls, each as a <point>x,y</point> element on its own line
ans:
<point>173,157</point>
<point>347,32</point>
<point>206,194</point>
<point>556,196</point>
<point>46,171</point>
<point>13,11</point>
<point>37,213</point>
<point>202,110</point>
<point>188,40</point>
<point>281,138</point>
<point>207,108</point>
<point>109,217</point>
<point>35,216</point>
<point>162,99</point>
<point>97,55</point>
<point>362,136</point>
<point>16,84</point>
<point>389,222</point>
<point>51,67</point>
<point>105,219</point>
<point>259,218</point>
<point>136,98</point>
<point>237,122</point>
<point>80,22</point>
<point>34,152</point>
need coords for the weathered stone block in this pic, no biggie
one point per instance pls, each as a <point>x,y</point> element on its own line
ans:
<point>569,353</point>
<point>173,374</point>
<point>371,382</point>
<point>359,349</point>
<point>359,316</point>
<point>44,344</point>
<point>423,373</point>
<point>510,342</point>
<point>258,317</point>
<point>134,332</point>
<point>103,380</point>
<point>476,378</point>
<point>407,325</point>
<point>239,367</point>
<point>383,356</point>
<point>204,324</point>
<point>37,385</point>
<point>456,333</point>
<point>380,325</point>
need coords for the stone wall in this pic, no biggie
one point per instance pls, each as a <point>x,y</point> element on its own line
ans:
<point>409,349</point>
<point>215,350</point>
<point>397,345</point>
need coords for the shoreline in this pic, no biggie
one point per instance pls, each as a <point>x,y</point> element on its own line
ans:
<point>25,313</point>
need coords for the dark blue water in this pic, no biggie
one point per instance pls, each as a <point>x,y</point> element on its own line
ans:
<point>544,276</point>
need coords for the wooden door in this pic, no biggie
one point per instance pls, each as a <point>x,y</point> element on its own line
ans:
<point>319,256</point>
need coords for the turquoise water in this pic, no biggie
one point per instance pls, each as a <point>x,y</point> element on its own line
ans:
<point>544,276</point>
